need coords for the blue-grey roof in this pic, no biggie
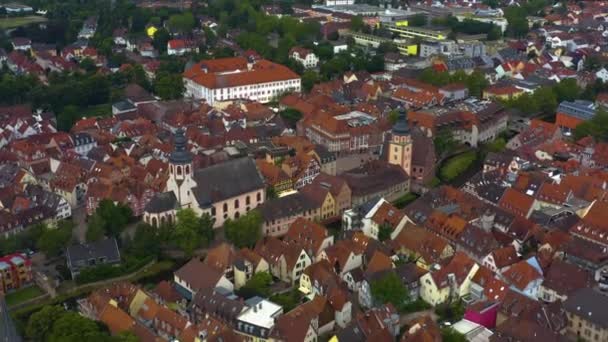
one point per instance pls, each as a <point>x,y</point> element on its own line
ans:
<point>401,127</point>
<point>226,180</point>
<point>107,248</point>
<point>180,154</point>
<point>162,202</point>
<point>581,109</point>
<point>124,106</point>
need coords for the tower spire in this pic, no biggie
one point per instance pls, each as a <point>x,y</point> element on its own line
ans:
<point>180,154</point>
<point>401,127</point>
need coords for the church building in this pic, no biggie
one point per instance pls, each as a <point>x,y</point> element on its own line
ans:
<point>224,191</point>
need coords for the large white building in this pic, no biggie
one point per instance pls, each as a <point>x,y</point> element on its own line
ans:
<point>234,78</point>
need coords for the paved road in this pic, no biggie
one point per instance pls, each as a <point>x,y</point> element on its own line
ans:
<point>79,215</point>
<point>353,161</point>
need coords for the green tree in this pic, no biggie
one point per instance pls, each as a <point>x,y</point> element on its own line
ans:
<point>169,86</point>
<point>71,326</point>
<point>517,23</point>
<point>41,322</point>
<point>244,231</point>
<point>384,233</point>
<point>115,216</point>
<point>451,335</point>
<point>67,117</point>
<point>495,33</point>
<point>54,240</point>
<point>191,232</point>
<point>596,128</point>
<point>288,300</point>
<point>88,65</point>
<point>444,142</point>
<point>96,228</point>
<point>390,289</point>
<point>183,23</point>
<point>161,38</point>
<point>546,100</point>
<point>419,19</point>
<point>258,285</point>
<point>146,241</point>
<point>291,115</point>
<point>309,79</point>
<point>357,24</point>
<point>125,336</point>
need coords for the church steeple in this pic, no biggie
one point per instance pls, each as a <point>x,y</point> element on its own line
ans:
<point>401,127</point>
<point>400,147</point>
<point>180,154</point>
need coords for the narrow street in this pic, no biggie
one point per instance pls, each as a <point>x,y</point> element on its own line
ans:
<point>79,215</point>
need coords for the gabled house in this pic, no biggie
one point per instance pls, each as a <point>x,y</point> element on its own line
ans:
<point>247,264</point>
<point>525,277</point>
<point>343,256</point>
<point>562,280</point>
<point>195,276</point>
<point>423,246</point>
<point>501,259</point>
<point>313,236</point>
<point>383,215</point>
<point>286,260</point>
<point>449,282</point>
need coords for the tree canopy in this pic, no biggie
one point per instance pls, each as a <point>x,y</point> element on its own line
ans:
<point>192,232</point>
<point>258,285</point>
<point>390,289</point>
<point>244,231</point>
<point>110,219</point>
<point>53,323</point>
<point>597,127</point>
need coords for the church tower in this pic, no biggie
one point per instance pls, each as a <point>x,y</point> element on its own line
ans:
<point>400,146</point>
<point>180,180</point>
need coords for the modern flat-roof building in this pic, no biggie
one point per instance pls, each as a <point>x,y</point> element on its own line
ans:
<point>258,319</point>
<point>234,78</point>
<point>413,32</point>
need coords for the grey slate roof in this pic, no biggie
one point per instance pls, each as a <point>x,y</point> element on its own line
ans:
<point>124,106</point>
<point>584,110</point>
<point>286,206</point>
<point>106,248</point>
<point>162,202</point>
<point>222,181</point>
<point>590,305</point>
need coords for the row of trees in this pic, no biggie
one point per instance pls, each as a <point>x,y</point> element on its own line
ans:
<point>476,82</point>
<point>545,99</point>
<point>51,241</point>
<point>54,324</point>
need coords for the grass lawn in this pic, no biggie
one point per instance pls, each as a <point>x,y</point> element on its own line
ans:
<point>23,294</point>
<point>404,200</point>
<point>101,110</point>
<point>13,22</point>
<point>456,165</point>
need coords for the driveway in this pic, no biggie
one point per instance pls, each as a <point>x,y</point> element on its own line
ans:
<point>79,215</point>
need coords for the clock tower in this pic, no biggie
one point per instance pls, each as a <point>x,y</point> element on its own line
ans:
<point>400,146</point>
